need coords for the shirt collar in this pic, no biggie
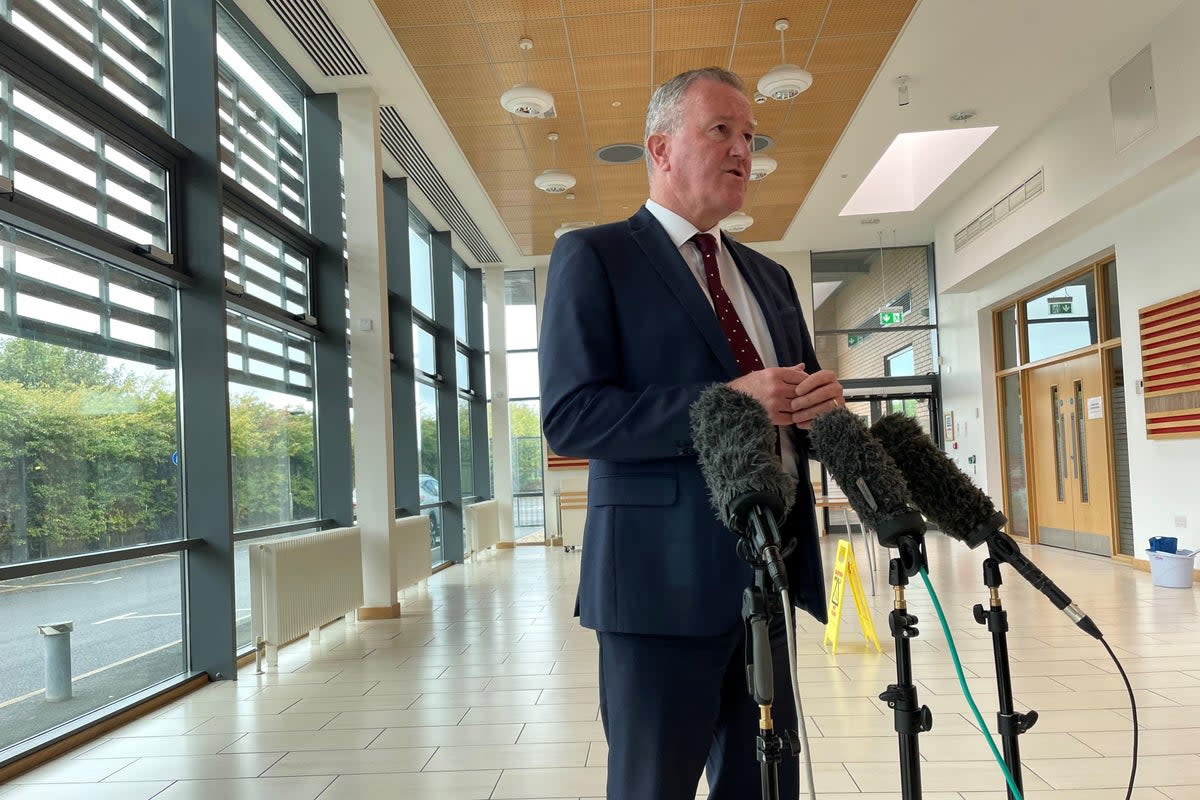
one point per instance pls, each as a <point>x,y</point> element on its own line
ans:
<point>678,228</point>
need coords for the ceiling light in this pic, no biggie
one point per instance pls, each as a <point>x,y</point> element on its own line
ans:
<point>525,99</point>
<point>554,181</point>
<point>761,167</point>
<point>785,81</point>
<point>567,227</point>
<point>736,222</point>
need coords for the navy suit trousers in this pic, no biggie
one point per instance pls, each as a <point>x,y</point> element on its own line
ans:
<point>675,706</point>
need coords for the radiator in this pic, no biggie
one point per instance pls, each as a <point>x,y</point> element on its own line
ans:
<point>300,583</point>
<point>482,523</point>
<point>411,559</point>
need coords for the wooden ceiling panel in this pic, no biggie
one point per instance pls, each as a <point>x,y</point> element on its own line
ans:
<point>441,44</point>
<point>858,17</point>
<point>669,63</point>
<point>579,8</point>
<point>599,105</point>
<point>804,22</point>
<point>488,137</point>
<point>609,34</point>
<point>461,81</point>
<point>590,53</point>
<point>690,28</point>
<point>507,10</point>
<point>422,12</point>
<point>549,39</point>
<point>612,72</point>
<point>603,132</point>
<point>850,52</point>
<point>553,76</point>
<point>489,160</point>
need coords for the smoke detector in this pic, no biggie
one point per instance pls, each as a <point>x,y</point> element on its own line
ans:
<point>554,181</point>
<point>525,99</point>
<point>567,227</point>
<point>785,81</point>
<point>736,222</point>
<point>761,167</point>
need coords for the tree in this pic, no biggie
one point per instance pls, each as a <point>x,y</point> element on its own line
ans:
<point>35,364</point>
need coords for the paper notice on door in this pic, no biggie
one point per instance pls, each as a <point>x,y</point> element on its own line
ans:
<point>1095,407</point>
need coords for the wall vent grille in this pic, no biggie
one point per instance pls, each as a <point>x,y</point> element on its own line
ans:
<point>403,146</point>
<point>321,39</point>
<point>1006,205</point>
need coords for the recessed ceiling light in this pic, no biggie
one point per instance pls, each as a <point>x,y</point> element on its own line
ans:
<point>616,103</point>
<point>913,166</point>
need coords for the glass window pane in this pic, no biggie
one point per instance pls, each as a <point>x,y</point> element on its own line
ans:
<point>58,157</point>
<point>420,261</point>
<point>429,458</point>
<point>127,635</point>
<point>864,355</point>
<point>272,439</point>
<point>262,122</point>
<point>424,350</point>
<point>465,458</point>
<point>523,376</point>
<point>119,45</point>
<point>1113,301</point>
<point>267,357</point>
<point>1014,454</point>
<point>1010,354</point>
<point>526,451</point>
<point>1062,319</point>
<point>852,287</point>
<point>520,311</point>
<point>460,306</point>
<point>900,363</point>
<point>264,265</point>
<point>463,370</point>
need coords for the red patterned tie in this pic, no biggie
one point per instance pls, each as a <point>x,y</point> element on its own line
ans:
<point>743,349</point>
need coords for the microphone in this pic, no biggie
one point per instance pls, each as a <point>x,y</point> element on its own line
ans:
<point>735,442</point>
<point>873,485</point>
<point>961,509</point>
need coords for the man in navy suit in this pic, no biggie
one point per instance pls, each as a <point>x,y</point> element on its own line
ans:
<point>640,316</point>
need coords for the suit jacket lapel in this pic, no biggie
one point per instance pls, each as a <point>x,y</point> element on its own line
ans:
<point>784,351</point>
<point>664,256</point>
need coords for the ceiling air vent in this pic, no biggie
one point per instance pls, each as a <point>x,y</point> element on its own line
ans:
<point>1006,205</point>
<point>761,142</point>
<point>321,39</point>
<point>620,153</point>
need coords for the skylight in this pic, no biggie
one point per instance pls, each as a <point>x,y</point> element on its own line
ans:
<point>912,167</point>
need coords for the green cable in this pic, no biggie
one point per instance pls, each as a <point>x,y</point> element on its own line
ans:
<point>962,681</point>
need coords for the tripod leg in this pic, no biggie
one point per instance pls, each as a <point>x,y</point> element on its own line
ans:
<point>910,719</point>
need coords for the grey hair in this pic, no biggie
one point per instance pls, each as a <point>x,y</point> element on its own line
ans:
<point>665,112</point>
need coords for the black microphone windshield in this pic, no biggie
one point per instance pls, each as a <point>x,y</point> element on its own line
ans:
<point>735,442</point>
<point>939,488</point>
<point>872,483</point>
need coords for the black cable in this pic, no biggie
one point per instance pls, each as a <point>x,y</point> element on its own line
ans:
<point>1133,707</point>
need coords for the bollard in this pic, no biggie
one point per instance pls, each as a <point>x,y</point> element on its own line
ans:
<point>57,638</point>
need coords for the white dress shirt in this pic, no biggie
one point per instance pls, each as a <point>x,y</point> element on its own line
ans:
<point>744,303</point>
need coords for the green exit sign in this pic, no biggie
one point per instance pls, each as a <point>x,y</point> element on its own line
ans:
<point>891,316</point>
<point>1060,307</point>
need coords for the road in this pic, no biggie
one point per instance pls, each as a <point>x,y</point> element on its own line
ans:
<point>120,611</point>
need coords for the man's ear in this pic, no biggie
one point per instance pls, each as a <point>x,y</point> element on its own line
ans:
<point>658,146</point>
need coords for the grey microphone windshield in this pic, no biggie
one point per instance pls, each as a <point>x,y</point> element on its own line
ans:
<point>735,442</point>
<point>872,483</point>
<point>938,486</point>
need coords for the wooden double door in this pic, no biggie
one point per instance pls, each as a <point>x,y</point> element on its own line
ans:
<point>1071,461</point>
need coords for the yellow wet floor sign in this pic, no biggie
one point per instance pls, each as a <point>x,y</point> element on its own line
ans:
<point>844,570</point>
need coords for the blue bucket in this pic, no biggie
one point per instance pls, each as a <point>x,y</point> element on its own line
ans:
<point>1163,544</point>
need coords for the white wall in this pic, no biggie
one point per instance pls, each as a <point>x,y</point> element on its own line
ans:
<point>1142,205</point>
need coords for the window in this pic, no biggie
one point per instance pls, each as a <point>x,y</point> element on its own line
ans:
<point>262,122</point>
<point>264,266</point>
<point>61,159</point>
<point>460,303</point>
<point>420,260</point>
<point>1063,318</point>
<point>271,424</point>
<point>900,363</point>
<point>524,407</point>
<point>120,45</point>
<point>466,460</point>
<point>430,462</point>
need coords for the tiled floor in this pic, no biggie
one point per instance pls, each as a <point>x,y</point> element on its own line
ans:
<point>486,688</point>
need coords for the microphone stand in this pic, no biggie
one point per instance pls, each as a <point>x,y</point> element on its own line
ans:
<point>1008,721</point>
<point>906,533</point>
<point>759,602</point>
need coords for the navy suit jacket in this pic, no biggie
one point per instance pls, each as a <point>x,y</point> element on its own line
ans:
<point>628,342</point>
